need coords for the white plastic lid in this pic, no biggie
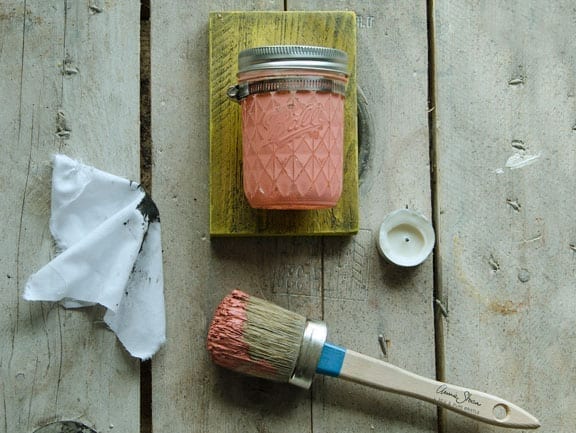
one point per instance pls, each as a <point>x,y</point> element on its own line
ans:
<point>406,238</point>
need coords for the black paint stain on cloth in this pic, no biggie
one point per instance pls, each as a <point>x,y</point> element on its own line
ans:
<point>151,214</point>
<point>148,209</point>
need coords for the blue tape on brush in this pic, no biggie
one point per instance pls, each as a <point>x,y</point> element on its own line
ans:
<point>331,360</point>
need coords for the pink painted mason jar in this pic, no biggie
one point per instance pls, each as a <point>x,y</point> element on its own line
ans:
<point>292,99</point>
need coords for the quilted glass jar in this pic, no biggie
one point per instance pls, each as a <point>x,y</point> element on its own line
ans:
<point>292,99</point>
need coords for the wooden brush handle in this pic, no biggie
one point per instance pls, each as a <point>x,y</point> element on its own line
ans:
<point>474,404</point>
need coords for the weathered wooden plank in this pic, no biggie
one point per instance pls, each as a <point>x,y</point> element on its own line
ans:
<point>189,391</point>
<point>506,164</point>
<point>230,213</point>
<point>69,84</point>
<point>363,296</point>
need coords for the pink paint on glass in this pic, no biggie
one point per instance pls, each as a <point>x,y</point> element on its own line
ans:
<point>292,100</point>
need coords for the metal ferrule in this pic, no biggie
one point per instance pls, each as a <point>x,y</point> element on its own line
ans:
<point>313,341</point>
<point>286,84</point>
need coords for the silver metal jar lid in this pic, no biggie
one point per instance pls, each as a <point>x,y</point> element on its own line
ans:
<point>293,57</point>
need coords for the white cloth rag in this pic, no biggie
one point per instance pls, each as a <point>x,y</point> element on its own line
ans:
<point>107,232</point>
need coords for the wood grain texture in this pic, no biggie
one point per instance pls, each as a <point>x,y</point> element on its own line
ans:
<point>189,392</point>
<point>364,297</point>
<point>506,161</point>
<point>69,84</point>
<point>229,34</point>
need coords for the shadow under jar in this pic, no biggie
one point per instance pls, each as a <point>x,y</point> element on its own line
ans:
<point>292,99</point>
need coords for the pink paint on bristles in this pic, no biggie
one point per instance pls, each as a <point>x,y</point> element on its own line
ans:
<point>226,342</point>
<point>256,337</point>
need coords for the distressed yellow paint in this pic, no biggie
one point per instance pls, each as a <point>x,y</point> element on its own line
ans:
<point>230,214</point>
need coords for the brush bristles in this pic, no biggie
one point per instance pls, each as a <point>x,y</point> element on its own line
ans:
<point>255,337</point>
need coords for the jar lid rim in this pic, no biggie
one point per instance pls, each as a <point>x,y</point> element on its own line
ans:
<point>291,57</point>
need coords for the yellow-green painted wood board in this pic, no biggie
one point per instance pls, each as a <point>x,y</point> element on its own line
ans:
<point>231,32</point>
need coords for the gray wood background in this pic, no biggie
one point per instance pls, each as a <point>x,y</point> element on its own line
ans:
<point>69,82</point>
<point>480,135</point>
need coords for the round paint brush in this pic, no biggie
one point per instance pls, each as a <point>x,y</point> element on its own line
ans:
<point>259,338</point>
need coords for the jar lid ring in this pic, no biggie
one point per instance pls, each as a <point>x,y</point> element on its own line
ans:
<point>293,57</point>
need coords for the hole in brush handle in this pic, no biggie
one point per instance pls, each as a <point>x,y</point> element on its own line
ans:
<point>501,411</point>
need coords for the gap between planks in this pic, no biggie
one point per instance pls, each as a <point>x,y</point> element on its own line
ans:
<point>146,182</point>
<point>440,311</point>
